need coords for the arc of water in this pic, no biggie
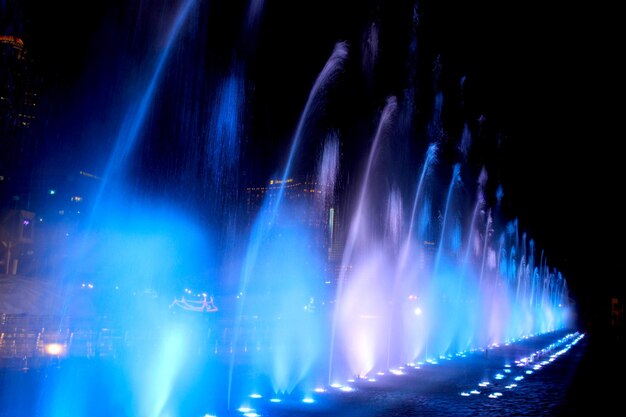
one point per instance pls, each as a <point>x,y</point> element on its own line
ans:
<point>355,225</point>
<point>136,115</point>
<point>328,74</point>
<point>456,177</point>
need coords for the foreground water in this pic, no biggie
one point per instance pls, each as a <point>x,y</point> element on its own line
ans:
<point>529,377</point>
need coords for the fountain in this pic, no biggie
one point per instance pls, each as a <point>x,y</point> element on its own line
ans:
<point>341,271</point>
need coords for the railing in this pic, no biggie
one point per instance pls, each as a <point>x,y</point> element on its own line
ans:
<point>30,341</point>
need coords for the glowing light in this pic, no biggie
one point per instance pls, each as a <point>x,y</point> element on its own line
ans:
<point>465,394</point>
<point>54,349</point>
<point>396,372</point>
<point>483,384</point>
<point>251,414</point>
<point>372,380</point>
<point>519,378</point>
<point>347,389</point>
<point>508,371</point>
<point>275,400</point>
<point>308,400</point>
<point>529,372</point>
<point>256,396</point>
<point>499,376</point>
<point>475,392</point>
<point>319,389</point>
<point>244,409</point>
<point>335,385</point>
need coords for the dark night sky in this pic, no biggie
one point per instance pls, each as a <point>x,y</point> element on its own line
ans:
<point>544,76</point>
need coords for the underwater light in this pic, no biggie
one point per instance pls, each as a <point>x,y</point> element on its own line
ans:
<point>465,394</point>
<point>54,349</point>
<point>417,311</point>
<point>308,400</point>
<point>256,396</point>
<point>335,385</point>
<point>372,379</point>
<point>251,414</point>
<point>483,384</point>
<point>475,392</point>
<point>396,372</point>
<point>244,409</point>
<point>275,400</point>
<point>319,389</point>
<point>519,378</point>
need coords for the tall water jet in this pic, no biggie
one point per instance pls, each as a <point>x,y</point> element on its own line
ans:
<point>358,318</point>
<point>276,233</point>
<point>472,249</point>
<point>406,275</point>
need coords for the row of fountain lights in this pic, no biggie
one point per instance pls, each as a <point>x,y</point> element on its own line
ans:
<point>529,364</point>
<point>549,354</point>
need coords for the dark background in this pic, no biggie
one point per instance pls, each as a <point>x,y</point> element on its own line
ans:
<point>543,82</point>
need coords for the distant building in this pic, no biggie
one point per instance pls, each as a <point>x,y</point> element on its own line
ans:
<point>16,239</point>
<point>18,102</point>
<point>311,207</point>
<point>310,204</point>
<point>18,99</point>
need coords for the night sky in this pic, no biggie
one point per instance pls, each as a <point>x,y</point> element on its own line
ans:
<point>542,77</point>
